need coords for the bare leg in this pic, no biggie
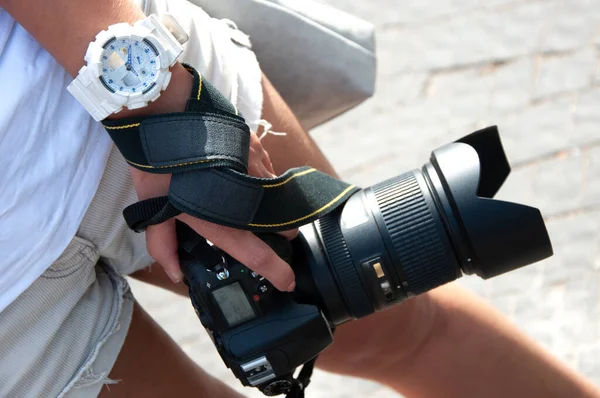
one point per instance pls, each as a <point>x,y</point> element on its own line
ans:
<point>151,365</point>
<point>295,149</point>
<point>448,343</point>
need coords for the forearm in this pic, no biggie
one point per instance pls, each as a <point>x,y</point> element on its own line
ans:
<point>65,28</point>
<point>448,343</point>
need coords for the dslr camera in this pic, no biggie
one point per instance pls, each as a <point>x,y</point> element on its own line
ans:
<point>396,239</point>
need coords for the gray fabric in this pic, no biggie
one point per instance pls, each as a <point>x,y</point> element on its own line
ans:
<point>320,59</point>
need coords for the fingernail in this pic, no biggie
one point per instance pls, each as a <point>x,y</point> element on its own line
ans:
<point>176,277</point>
<point>291,287</point>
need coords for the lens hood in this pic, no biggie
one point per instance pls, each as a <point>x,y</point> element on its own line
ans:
<point>490,236</point>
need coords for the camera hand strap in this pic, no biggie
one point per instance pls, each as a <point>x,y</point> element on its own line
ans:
<point>300,383</point>
<point>206,150</point>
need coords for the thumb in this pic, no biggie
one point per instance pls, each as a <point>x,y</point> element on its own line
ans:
<point>161,241</point>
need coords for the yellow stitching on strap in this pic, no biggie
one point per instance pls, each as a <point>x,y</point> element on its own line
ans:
<point>145,166</point>
<point>122,127</point>
<point>290,178</point>
<point>199,86</point>
<point>337,198</point>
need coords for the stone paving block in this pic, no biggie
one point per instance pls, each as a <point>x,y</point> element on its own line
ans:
<point>596,81</point>
<point>589,363</point>
<point>554,186</point>
<point>567,357</point>
<point>565,72</point>
<point>591,192</point>
<point>474,38</point>
<point>395,90</point>
<point>585,118</point>
<point>329,385</point>
<point>571,24</point>
<point>580,321</point>
<point>481,288</point>
<point>501,88</point>
<point>539,130</point>
<point>386,12</point>
<point>391,166</point>
<point>405,138</point>
<point>365,143</point>
<point>576,240</point>
<point>510,85</point>
<point>525,279</point>
<point>467,85</point>
<point>391,12</point>
<point>391,94</point>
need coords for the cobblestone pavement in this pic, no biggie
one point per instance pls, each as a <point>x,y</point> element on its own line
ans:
<point>446,68</point>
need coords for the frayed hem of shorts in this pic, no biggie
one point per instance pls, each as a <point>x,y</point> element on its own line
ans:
<point>86,377</point>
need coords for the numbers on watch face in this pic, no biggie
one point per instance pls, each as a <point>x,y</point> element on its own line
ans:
<point>129,65</point>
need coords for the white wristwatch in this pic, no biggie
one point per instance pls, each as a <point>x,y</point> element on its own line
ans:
<point>128,65</point>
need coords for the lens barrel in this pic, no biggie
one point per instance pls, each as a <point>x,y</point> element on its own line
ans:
<point>422,229</point>
<point>416,231</point>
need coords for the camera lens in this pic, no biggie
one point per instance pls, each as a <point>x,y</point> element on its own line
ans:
<point>422,229</point>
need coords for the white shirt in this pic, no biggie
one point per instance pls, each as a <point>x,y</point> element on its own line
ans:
<point>52,156</point>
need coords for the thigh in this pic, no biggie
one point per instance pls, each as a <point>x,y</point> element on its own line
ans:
<point>151,364</point>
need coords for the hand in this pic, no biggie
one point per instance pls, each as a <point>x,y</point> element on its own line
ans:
<point>242,245</point>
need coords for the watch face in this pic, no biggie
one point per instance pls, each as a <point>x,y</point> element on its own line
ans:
<point>129,65</point>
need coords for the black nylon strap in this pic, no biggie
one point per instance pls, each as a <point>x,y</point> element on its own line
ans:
<point>228,198</point>
<point>148,212</point>
<point>206,150</point>
<point>297,197</point>
<point>174,140</point>
<point>209,134</point>
<point>303,380</point>
<point>183,141</point>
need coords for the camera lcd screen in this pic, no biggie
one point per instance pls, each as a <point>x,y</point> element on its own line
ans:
<point>234,304</point>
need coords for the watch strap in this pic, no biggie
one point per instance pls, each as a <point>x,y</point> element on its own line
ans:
<point>168,31</point>
<point>86,93</point>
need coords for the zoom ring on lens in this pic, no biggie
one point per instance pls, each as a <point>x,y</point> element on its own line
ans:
<point>425,260</point>
<point>343,268</point>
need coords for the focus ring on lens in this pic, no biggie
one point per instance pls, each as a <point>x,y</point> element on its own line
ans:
<point>426,261</point>
<point>343,267</point>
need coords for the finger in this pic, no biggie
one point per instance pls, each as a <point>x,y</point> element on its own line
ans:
<point>248,249</point>
<point>161,241</point>
<point>258,152</point>
<point>266,160</point>
<point>257,169</point>
<point>289,234</point>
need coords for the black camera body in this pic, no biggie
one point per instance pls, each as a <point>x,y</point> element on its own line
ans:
<point>262,334</point>
<point>386,243</point>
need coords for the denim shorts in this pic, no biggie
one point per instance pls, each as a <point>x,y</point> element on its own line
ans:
<point>62,336</point>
